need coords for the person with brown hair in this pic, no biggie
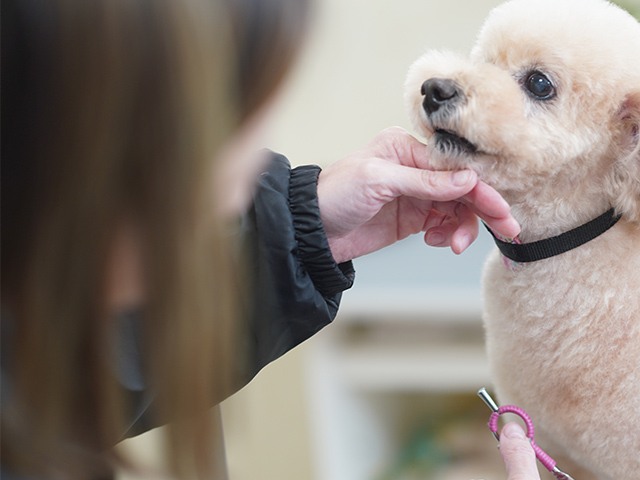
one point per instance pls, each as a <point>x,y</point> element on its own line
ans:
<point>151,265</point>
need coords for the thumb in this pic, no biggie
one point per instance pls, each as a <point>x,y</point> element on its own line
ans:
<point>430,184</point>
<point>517,453</point>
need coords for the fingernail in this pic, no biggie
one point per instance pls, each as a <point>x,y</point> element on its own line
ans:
<point>516,226</point>
<point>465,242</point>
<point>461,177</point>
<point>513,430</point>
<point>435,238</point>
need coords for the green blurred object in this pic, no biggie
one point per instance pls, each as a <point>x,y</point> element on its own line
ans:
<point>632,6</point>
<point>423,455</point>
<point>434,442</point>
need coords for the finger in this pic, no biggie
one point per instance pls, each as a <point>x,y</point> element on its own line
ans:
<point>467,231</point>
<point>506,227</point>
<point>487,201</point>
<point>439,229</point>
<point>448,236</point>
<point>443,222</point>
<point>487,204</point>
<point>440,236</point>
<point>434,219</point>
<point>517,453</point>
<point>458,231</point>
<point>428,184</point>
<point>399,146</point>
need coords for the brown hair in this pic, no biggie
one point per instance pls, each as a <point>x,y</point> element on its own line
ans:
<point>114,110</point>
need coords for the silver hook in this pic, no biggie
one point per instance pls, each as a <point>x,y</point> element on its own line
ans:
<point>560,475</point>
<point>484,395</point>
<point>486,398</point>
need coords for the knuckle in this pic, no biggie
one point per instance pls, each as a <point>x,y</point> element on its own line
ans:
<point>371,171</point>
<point>397,137</point>
<point>373,174</point>
<point>432,181</point>
<point>394,132</point>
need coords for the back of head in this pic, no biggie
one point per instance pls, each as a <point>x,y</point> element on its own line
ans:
<point>113,112</point>
<point>595,33</point>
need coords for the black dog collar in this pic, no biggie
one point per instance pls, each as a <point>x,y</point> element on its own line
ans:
<point>550,247</point>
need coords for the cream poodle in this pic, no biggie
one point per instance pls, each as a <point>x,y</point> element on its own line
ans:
<point>547,111</point>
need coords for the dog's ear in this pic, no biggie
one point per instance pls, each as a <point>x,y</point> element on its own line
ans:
<point>626,175</point>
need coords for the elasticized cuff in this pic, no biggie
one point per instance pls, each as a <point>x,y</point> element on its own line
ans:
<point>314,252</point>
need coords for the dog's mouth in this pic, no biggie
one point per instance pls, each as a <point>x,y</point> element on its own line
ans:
<point>449,142</point>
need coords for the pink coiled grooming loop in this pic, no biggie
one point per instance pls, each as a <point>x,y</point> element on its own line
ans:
<point>541,455</point>
<point>545,459</point>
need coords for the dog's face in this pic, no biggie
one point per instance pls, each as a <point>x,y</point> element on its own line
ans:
<point>546,109</point>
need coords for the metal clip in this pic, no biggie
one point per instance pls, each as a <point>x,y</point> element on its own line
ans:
<point>545,459</point>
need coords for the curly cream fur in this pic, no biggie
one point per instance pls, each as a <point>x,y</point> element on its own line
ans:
<point>563,334</point>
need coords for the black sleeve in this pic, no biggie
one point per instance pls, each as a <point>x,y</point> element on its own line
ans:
<point>297,284</point>
<point>295,290</point>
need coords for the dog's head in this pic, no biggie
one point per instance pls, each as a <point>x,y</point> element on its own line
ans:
<point>546,109</point>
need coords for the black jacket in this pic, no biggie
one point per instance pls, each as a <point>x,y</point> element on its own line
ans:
<point>297,285</point>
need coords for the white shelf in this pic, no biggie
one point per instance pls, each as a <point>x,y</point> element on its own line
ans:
<point>431,369</point>
<point>411,326</point>
<point>413,304</point>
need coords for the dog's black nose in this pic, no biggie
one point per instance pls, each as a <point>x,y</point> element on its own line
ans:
<point>438,92</point>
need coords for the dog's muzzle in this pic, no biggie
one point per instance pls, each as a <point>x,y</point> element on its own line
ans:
<point>440,94</point>
<point>442,97</point>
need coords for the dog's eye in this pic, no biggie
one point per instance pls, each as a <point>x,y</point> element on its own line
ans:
<point>539,86</point>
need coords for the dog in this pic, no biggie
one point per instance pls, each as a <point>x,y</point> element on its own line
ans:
<point>546,109</point>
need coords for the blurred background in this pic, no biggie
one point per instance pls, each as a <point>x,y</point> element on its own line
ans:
<point>387,391</point>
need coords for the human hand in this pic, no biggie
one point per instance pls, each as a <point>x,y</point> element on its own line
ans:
<point>517,453</point>
<point>386,191</point>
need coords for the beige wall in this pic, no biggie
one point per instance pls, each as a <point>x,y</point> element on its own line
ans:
<point>267,427</point>
<point>347,87</point>
<point>349,82</point>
